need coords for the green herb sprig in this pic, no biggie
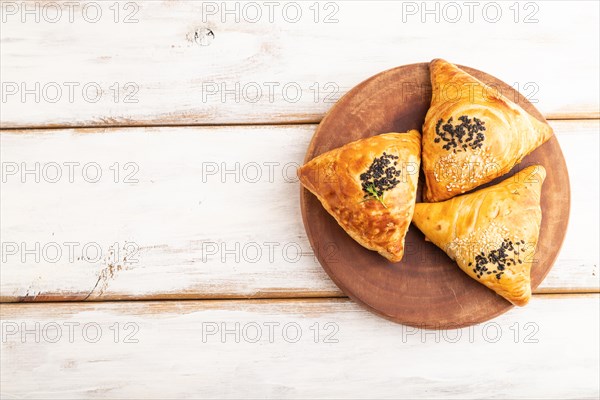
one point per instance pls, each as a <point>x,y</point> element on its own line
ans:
<point>373,195</point>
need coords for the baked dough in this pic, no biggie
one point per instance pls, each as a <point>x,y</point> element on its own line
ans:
<point>472,133</point>
<point>491,233</point>
<point>369,186</point>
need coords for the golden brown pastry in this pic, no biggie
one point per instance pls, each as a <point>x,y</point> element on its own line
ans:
<point>491,233</point>
<point>369,187</point>
<point>472,133</point>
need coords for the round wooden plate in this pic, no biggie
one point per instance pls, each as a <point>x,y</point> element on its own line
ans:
<point>426,289</point>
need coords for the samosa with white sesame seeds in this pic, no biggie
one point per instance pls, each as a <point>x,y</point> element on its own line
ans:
<point>492,233</point>
<point>472,133</point>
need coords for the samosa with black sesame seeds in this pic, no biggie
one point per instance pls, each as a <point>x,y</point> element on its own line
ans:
<point>369,186</point>
<point>472,133</point>
<point>492,233</point>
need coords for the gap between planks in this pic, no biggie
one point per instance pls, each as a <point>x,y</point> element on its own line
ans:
<point>244,300</point>
<point>291,123</point>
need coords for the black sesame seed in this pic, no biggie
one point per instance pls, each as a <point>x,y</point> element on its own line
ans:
<point>460,135</point>
<point>497,260</point>
<point>380,176</point>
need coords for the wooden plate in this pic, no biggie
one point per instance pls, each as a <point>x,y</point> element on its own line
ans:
<point>426,289</point>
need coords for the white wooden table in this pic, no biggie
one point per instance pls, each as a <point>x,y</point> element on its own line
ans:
<point>152,244</point>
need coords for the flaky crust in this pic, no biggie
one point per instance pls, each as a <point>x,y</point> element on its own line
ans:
<point>509,133</point>
<point>335,178</point>
<point>473,228</point>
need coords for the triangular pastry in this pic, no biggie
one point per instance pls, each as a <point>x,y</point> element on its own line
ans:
<point>472,133</point>
<point>491,233</point>
<point>369,186</point>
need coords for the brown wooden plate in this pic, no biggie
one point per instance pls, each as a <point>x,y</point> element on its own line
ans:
<point>426,289</point>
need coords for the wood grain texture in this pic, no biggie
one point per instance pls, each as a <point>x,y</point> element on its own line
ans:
<point>184,221</point>
<point>176,350</point>
<point>425,287</point>
<point>166,68</point>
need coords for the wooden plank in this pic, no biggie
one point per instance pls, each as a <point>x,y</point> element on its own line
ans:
<point>207,218</point>
<point>191,62</point>
<point>323,348</point>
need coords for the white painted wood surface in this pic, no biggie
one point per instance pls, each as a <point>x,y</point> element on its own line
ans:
<point>176,350</point>
<point>179,212</point>
<point>166,69</point>
<point>191,229</point>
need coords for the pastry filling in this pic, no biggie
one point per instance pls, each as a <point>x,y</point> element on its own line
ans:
<point>469,133</point>
<point>382,175</point>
